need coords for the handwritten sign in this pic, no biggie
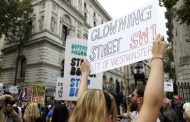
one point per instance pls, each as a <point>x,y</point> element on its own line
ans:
<point>125,40</point>
<point>76,51</point>
<point>168,87</point>
<point>38,93</point>
<point>59,89</point>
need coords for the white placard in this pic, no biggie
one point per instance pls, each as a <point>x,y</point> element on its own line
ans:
<point>76,51</point>
<point>125,40</point>
<point>59,89</point>
<point>13,89</point>
<point>168,87</point>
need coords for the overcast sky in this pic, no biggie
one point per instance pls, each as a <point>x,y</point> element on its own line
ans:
<point>119,8</point>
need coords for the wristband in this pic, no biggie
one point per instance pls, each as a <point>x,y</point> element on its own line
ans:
<point>157,58</point>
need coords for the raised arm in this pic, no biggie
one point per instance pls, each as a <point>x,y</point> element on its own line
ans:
<point>153,96</point>
<point>84,79</point>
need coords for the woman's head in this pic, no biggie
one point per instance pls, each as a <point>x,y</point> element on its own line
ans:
<point>32,112</point>
<point>95,106</point>
<point>186,111</point>
<point>60,113</point>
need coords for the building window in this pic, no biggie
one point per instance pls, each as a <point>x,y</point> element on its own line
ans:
<point>94,24</point>
<point>64,33</point>
<point>62,67</point>
<point>41,23</point>
<point>53,24</point>
<point>84,5</point>
<point>43,5</point>
<point>85,15</point>
<point>94,14</point>
<point>23,67</point>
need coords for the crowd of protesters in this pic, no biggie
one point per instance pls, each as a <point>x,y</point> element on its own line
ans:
<point>146,104</point>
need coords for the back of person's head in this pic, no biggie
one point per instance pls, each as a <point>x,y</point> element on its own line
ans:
<point>32,112</point>
<point>94,106</point>
<point>186,109</point>
<point>60,113</point>
<point>140,90</point>
<point>166,103</point>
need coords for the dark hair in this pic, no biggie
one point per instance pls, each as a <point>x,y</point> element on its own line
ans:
<point>140,90</point>
<point>60,113</point>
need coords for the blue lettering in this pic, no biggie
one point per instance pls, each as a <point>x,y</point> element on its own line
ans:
<point>72,92</point>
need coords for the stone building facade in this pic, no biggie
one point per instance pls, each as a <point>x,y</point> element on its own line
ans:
<point>180,36</point>
<point>42,58</point>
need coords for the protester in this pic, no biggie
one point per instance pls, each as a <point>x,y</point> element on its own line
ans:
<point>32,113</point>
<point>99,106</point>
<point>179,107</point>
<point>50,114</point>
<point>7,113</point>
<point>168,112</point>
<point>186,112</point>
<point>60,113</point>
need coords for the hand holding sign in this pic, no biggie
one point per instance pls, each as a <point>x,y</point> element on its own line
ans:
<point>159,47</point>
<point>85,67</point>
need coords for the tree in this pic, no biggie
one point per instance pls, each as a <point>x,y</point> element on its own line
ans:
<point>169,66</point>
<point>15,19</point>
<point>16,24</point>
<point>181,13</point>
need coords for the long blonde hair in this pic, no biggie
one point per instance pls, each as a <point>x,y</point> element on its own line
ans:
<point>94,106</point>
<point>32,112</point>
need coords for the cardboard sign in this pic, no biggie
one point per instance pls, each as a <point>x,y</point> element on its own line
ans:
<point>125,40</point>
<point>76,51</point>
<point>168,87</point>
<point>38,93</point>
<point>59,89</point>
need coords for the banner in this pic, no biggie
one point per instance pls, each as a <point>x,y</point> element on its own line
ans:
<point>59,89</point>
<point>38,93</point>
<point>76,51</point>
<point>125,40</point>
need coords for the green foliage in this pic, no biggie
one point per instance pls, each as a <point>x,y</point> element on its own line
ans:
<point>169,66</point>
<point>182,13</point>
<point>15,19</point>
<point>169,3</point>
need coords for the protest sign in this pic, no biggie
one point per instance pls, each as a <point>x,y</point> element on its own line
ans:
<point>13,89</point>
<point>125,40</point>
<point>168,87</point>
<point>76,50</point>
<point>59,89</point>
<point>38,93</point>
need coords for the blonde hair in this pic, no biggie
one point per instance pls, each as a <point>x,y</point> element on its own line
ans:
<point>186,107</point>
<point>94,106</point>
<point>32,112</point>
